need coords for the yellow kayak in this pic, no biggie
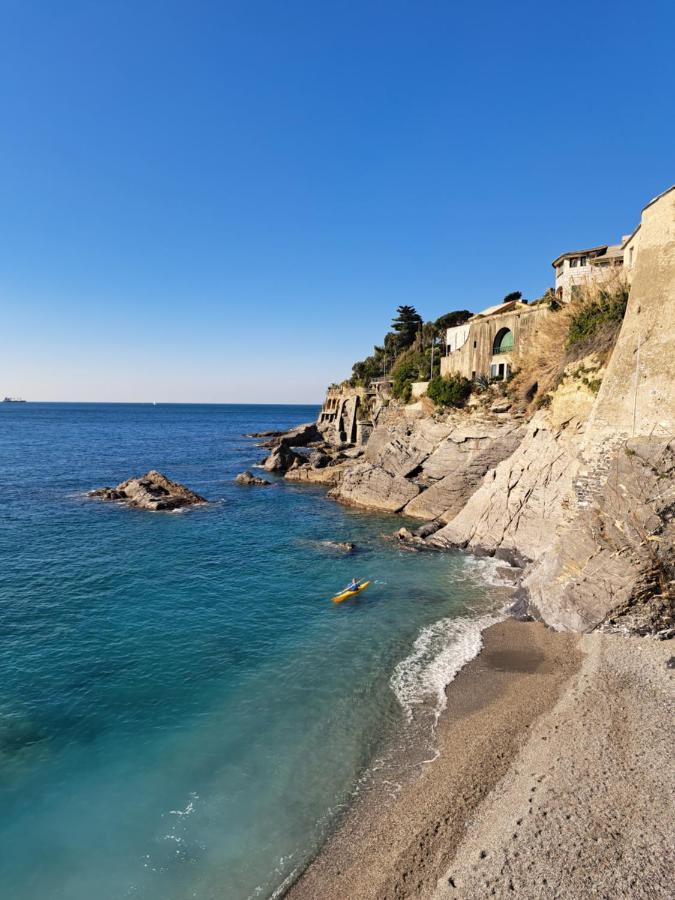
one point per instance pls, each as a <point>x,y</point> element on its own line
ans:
<point>345,595</point>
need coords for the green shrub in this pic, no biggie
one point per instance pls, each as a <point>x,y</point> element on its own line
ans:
<point>451,391</point>
<point>603,313</point>
<point>407,371</point>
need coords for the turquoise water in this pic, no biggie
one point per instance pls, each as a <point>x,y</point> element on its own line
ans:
<point>182,711</point>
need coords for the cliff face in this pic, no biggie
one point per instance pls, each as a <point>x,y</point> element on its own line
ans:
<point>613,559</point>
<point>425,468</point>
<point>637,395</point>
<point>582,495</point>
<point>521,501</point>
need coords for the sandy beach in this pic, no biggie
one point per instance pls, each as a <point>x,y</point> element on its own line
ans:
<point>553,779</point>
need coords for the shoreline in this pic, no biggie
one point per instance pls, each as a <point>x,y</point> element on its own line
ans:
<point>458,825</point>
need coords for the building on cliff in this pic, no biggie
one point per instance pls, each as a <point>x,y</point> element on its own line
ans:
<point>346,415</point>
<point>578,268</point>
<point>488,343</point>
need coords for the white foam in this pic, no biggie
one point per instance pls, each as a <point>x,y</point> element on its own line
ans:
<point>189,809</point>
<point>438,654</point>
<point>486,569</point>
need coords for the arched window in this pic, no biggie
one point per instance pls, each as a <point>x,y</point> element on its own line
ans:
<point>503,342</point>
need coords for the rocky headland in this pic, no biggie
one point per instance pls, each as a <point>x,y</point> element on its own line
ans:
<point>577,489</point>
<point>554,773</point>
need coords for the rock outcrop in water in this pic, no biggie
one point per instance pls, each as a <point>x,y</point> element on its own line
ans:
<point>152,491</point>
<point>248,478</point>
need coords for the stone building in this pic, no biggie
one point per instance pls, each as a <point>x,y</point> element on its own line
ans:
<point>488,343</point>
<point>347,414</point>
<point>581,267</point>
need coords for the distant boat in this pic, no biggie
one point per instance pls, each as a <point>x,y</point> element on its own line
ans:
<point>13,400</point>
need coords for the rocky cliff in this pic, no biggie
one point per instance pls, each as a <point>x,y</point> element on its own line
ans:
<point>580,494</point>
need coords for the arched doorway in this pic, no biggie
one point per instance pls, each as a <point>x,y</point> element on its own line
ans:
<point>503,342</point>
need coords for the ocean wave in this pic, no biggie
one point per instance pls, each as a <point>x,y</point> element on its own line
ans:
<point>440,651</point>
<point>487,569</point>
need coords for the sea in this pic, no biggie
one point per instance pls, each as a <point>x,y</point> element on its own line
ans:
<point>184,713</point>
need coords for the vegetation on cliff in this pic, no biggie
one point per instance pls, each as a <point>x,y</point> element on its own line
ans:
<point>450,391</point>
<point>589,325</point>
<point>598,319</point>
<point>410,352</point>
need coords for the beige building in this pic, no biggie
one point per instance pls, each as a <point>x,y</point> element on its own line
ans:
<point>488,343</point>
<point>579,267</point>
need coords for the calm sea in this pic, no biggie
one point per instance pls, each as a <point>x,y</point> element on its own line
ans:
<point>182,710</point>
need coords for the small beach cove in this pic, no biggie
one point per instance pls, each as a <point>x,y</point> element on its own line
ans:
<point>551,765</point>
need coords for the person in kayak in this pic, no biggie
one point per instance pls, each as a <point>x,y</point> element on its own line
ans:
<point>353,585</point>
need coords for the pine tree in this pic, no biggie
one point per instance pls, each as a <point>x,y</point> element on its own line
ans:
<point>406,325</point>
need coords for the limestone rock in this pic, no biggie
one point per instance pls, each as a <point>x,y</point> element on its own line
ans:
<point>301,436</point>
<point>400,449</point>
<point>613,563</point>
<point>465,455</point>
<point>250,479</point>
<point>373,487</point>
<point>417,537</point>
<point>152,491</point>
<point>329,475</point>
<point>318,459</point>
<point>519,504</point>
<point>281,459</point>
<point>501,406</point>
<point>353,453</point>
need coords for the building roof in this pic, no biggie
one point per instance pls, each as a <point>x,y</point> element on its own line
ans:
<point>501,308</point>
<point>562,256</point>
<point>615,251</point>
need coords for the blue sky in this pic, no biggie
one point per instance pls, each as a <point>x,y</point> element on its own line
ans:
<point>225,202</point>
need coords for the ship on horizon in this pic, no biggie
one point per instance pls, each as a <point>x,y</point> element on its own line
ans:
<point>13,400</point>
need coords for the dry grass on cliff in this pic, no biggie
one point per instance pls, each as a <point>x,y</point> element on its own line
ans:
<point>590,324</point>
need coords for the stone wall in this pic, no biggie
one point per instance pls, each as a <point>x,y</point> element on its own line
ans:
<point>419,389</point>
<point>637,396</point>
<point>475,357</point>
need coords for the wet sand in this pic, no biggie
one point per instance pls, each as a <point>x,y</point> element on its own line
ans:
<point>552,780</point>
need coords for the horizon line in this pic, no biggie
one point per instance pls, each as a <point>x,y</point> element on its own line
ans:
<point>164,403</point>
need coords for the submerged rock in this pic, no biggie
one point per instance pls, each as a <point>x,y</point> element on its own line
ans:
<point>152,491</point>
<point>345,546</point>
<point>249,478</point>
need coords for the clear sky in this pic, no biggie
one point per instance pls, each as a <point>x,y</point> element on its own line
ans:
<point>225,201</point>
